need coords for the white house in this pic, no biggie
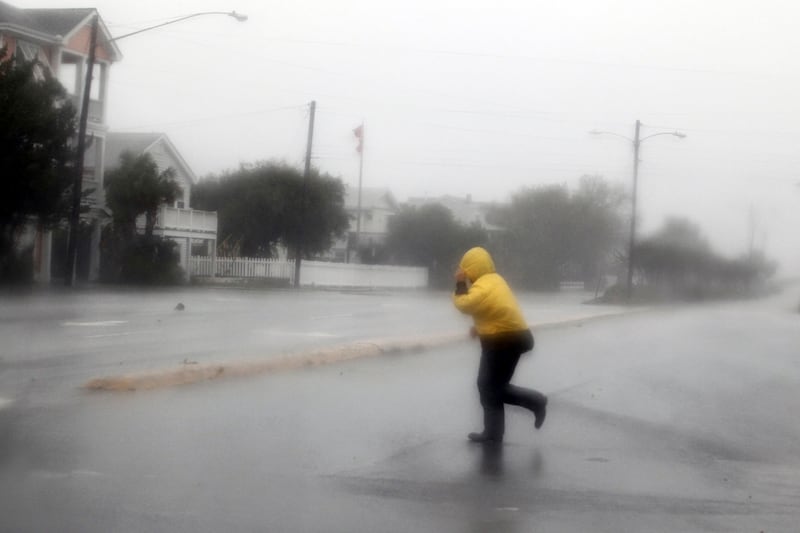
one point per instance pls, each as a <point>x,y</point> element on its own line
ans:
<point>177,221</point>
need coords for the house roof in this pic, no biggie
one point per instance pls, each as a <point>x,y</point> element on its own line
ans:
<point>58,21</point>
<point>117,143</point>
<point>51,25</point>
<point>139,143</point>
<point>17,20</point>
<point>464,209</point>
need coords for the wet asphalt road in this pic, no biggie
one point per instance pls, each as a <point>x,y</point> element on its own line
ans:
<point>54,341</point>
<point>672,420</point>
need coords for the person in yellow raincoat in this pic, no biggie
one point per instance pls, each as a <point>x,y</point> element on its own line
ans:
<point>504,336</point>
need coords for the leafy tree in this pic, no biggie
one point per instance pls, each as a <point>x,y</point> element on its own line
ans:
<point>320,218</point>
<point>268,204</point>
<point>149,260</point>
<point>246,220</point>
<point>598,227</point>
<point>677,261</point>
<point>535,245</point>
<point>674,254</point>
<point>681,233</point>
<point>552,234</point>
<point>37,122</point>
<point>430,236</point>
<point>137,187</point>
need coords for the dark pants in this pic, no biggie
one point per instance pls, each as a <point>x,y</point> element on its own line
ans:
<point>498,362</point>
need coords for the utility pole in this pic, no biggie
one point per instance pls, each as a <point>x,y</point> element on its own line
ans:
<point>751,237</point>
<point>631,243</point>
<point>637,141</point>
<point>303,201</point>
<point>360,176</point>
<point>77,184</point>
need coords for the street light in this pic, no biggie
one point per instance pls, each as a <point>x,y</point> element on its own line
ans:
<point>75,213</point>
<point>233,14</point>
<point>636,141</point>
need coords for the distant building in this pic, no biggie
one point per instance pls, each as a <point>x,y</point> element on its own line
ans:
<point>465,211</point>
<point>378,206</point>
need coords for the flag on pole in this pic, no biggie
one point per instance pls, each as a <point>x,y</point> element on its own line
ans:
<point>359,133</point>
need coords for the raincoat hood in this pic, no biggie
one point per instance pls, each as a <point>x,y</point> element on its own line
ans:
<point>477,262</point>
<point>488,298</point>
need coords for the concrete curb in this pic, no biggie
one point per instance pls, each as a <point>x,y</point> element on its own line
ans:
<point>195,373</point>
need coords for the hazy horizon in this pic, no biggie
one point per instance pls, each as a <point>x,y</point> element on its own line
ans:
<point>464,98</point>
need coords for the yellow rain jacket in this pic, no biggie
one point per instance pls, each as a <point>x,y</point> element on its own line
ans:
<point>489,299</point>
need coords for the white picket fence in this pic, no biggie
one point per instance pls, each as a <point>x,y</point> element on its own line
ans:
<point>242,267</point>
<point>325,274</point>
<point>312,273</point>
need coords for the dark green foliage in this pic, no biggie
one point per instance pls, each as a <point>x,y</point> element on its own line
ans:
<point>677,262</point>
<point>552,234</point>
<point>137,187</point>
<point>535,246</point>
<point>599,231</point>
<point>268,204</point>
<point>17,267</point>
<point>134,188</point>
<point>59,246</point>
<point>36,124</point>
<point>145,260</point>
<point>429,236</point>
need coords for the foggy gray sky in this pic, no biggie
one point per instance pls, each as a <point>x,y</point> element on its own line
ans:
<point>485,98</point>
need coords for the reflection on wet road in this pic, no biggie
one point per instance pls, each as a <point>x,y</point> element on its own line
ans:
<point>673,420</point>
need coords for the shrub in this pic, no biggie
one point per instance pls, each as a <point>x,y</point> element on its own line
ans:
<point>16,267</point>
<point>143,260</point>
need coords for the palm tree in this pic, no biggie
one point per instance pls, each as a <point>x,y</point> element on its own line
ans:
<point>137,187</point>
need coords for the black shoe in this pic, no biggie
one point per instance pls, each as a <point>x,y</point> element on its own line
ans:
<point>483,438</point>
<point>540,412</point>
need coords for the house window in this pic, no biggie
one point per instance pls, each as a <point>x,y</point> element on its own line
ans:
<point>30,52</point>
<point>26,50</point>
<point>180,200</point>
<point>97,79</point>
<point>68,75</point>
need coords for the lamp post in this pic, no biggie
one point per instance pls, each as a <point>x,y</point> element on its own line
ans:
<point>75,212</point>
<point>636,141</point>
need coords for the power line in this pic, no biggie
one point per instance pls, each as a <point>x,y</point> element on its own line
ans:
<point>456,164</point>
<point>770,132</point>
<point>505,56</point>
<point>217,117</point>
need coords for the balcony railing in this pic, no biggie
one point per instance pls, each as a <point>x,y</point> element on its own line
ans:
<point>95,109</point>
<point>93,194</point>
<point>174,219</point>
